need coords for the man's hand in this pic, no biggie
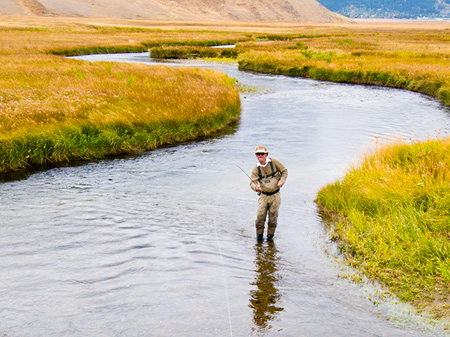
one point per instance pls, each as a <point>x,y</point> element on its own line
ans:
<point>258,188</point>
<point>280,184</point>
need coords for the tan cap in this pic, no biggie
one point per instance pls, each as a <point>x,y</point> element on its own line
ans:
<point>260,149</point>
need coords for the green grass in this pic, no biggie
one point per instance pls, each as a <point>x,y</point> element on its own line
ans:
<point>68,143</point>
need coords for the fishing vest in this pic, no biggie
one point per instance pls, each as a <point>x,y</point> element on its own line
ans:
<point>268,182</point>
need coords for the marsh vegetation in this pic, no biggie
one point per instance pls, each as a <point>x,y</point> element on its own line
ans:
<point>391,217</point>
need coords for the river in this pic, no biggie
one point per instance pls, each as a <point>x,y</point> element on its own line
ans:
<point>163,243</point>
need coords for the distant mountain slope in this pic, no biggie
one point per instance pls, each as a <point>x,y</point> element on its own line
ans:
<point>389,8</point>
<point>11,7</point>
<point>184,10</point>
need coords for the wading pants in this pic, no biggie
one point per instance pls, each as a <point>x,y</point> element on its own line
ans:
<point>267,204</point>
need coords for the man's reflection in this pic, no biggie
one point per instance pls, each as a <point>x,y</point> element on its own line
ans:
<point>264,300</point>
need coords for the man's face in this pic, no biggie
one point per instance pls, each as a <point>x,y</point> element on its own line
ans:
<point>261,158</point>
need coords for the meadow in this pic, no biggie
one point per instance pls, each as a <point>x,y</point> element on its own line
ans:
<point>390,212</point>
<point>56,110</point>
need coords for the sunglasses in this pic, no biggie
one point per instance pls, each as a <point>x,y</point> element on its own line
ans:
<point>260,154</point>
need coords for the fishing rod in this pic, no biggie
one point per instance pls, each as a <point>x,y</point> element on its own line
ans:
<point>259,192</point>
<point>243,171</point>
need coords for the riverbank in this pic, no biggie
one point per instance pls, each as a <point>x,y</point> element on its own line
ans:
<point>427,75</point>
<point>57,110</point>
<point>390,216</point>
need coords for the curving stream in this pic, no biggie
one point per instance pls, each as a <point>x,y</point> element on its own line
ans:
<point>163,243</point>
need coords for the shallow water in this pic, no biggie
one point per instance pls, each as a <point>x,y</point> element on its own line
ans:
<point>163,243</point>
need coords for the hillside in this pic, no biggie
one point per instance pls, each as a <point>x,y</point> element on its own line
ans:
<point>406,9</point>
<point>183,10</point>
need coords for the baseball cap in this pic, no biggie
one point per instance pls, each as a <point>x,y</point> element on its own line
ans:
<point>260,149</point>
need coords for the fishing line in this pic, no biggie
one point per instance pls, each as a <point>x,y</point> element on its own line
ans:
<point>225,284</point>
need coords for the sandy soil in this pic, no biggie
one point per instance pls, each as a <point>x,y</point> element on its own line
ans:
<point>183,10</point>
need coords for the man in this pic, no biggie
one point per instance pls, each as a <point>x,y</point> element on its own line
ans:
<point>267,177</point>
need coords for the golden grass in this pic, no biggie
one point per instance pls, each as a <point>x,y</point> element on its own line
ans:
<point>37,91</point>
<point>23,37</point>
<point>55,109</point>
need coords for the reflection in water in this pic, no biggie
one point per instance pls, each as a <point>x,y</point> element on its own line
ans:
<point>265,299</point>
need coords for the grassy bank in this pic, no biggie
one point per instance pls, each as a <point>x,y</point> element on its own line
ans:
<point>68,37</point>
<point>370,58</point>
<point>392,220</point>
<point>57,110</point>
